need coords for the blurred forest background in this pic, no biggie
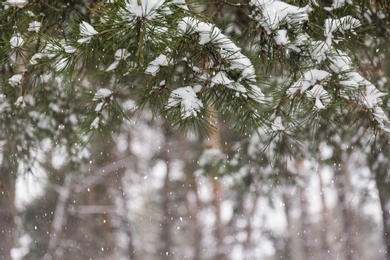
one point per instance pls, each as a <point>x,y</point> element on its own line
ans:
<point>148,191</point>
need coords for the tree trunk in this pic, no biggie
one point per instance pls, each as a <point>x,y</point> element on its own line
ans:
<point>219,228</point>
<point>60,218</point>
<point>213,142</point>
<point>305,226</point>
<point>341,181</point>
<point>324,221</point>
<point>382,179</point>
<point>193,205</point>
<point>8,172</point>
<point>249,212</point>
<point>165,235</point>
<point>124,213</point>
<point>305,229</point>
<point>289,237</point>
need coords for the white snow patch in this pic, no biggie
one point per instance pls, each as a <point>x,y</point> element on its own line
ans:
<point>62,64</point>
<point>220,79</point>
<point>186,98</point>
<point>256,94</point>
<point>275,12</point>
<point>17,3</point>
<point>147,8</point>
<point>281,37</point>
<point>15,80</point>
<point>95,123</point>
<point>69,49</point>
<point>34,26</point>
<point>340,62</point>
<point>16,40</point>
<point>87,32</point>
<point>308,79</point>
<point>120,54</point>
<point>102,93</point>
<point>20,102</point>
<point>154,66</point>
<point>321,96</point>
<point>343,24</point>
<point>277,124</point>
<point>338,4</point>
<point>318,50</point>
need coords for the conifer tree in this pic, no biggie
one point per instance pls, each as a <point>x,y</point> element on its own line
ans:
<point>284,75</point>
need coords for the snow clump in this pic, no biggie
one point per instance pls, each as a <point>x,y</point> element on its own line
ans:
<point>87,32</point>
<point>186,98</point>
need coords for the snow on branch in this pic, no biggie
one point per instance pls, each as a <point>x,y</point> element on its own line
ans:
<point>346,23</point>
<point>338,4</point>
<point>87,32</point>
<point>308,79</point>
<point>17,3</point>
<point>147,9</point>
<point>17,40</point>
<point>228,51</point>
<point>274,13</point>
<point>102,93</point>
<point>15,80</point>
<point>186,99</point>
<point>120,54</point>
<point>154,66</point>
<point>277,125</point>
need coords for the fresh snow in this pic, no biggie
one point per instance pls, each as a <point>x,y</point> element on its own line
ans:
<point>277,124</point>
<point>382,119</point>
<point>321,96</point>
<point>34,26</point>
<point>35,57</point>
<point>318,50</point>
<point>99,107</point>
<point>309,78</point>
<point>155,65</point>
<point>340,62</point>
<point>229,51</point>
<point>281,37</point>
<point>102,93</point>
<point>342,25</point>
<point>20,102</point>
<point>185,97</point>
<point>15,80</point>
<point>190,25</point>
<point>220,79</point>
<point>256,94</point>
<point>17,3</point>
<point>372,96</point>
<point>69,49</point>
<point>87,31</point>
<point>120,54</point>
<point>16,41</point>
<point>275,12</point>
<point>62,64</point>
<point>147,8</point>
<point>338,4</point>
<point>95,123</point>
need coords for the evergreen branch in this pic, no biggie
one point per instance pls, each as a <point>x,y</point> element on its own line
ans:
<point>230,3</point>
<point>58,10</point>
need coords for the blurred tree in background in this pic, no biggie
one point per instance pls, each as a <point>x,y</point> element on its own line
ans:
<point>152,129</point>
